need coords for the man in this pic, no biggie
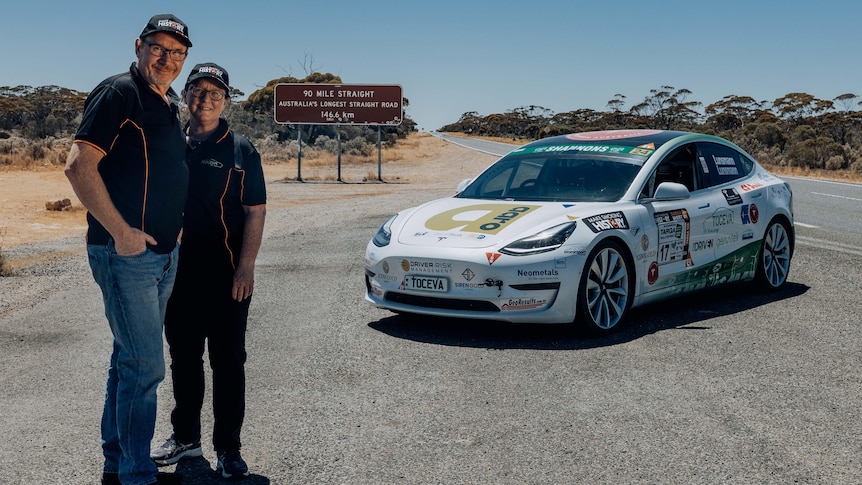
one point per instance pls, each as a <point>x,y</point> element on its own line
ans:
<point>222,232</point>
<point>127,168</point>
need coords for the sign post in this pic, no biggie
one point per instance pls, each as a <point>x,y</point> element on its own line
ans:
<point>345,104</point>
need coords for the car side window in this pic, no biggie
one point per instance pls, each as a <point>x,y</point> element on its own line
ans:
<point>719,164</point>
<point>678,166</point>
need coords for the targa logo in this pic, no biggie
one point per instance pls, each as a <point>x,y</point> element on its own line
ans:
<point>482,218</point>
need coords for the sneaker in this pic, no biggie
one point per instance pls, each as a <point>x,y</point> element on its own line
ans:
<point>173,451</point>
<point>231,465</point>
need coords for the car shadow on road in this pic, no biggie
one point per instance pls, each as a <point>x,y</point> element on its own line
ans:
<point>199,471</point>
<point>690,312</point>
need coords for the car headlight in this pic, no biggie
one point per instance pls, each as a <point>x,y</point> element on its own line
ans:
<point>547,240</point>
<point>384,234</point>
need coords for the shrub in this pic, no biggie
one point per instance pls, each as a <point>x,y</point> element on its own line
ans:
<point>770,156</point>
<point>770,134</point>
<point>814,152</point>
<point>36,151</point>
<point>835,162</point>
<point>358,146</point>
<point>326,143</point>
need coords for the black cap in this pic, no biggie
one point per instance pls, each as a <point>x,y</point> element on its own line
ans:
<point>209,70</point>
<point>168,23</point>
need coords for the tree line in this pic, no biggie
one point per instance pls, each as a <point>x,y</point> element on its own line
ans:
<point>53,112</point>
<point>795,130</point>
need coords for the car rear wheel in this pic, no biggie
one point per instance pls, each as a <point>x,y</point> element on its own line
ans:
<point>605,290</point>
<point>773,265</point>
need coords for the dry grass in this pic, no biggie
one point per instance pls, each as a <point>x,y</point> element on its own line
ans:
<point>320,165</point>
<point>20,154</point>
<point>835,175</point>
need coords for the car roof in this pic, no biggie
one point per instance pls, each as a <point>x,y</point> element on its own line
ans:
<point>633,138</point>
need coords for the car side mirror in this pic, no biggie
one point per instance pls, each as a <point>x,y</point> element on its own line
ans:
<point>462,185</point>
<point>671,191</point>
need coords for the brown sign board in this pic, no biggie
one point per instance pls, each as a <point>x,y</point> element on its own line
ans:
<point>346,104</point>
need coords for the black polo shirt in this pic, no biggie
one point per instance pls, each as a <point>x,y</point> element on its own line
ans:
<point>144,166</point>
<point>225,174</point>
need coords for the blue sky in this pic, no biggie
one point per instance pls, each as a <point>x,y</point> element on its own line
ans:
<point>453,57</point>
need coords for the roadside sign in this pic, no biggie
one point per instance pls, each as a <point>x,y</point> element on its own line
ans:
<point>346,104</point>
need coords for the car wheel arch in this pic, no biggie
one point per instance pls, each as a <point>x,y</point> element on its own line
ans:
<point>781,217</point>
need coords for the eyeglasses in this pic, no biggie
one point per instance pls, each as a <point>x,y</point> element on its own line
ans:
<point>215,95</point>
<point>159,51</point>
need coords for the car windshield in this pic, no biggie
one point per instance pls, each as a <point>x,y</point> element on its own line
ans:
<point>572,176</point>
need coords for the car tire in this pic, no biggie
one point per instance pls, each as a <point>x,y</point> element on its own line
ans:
<point>606,288</point>
<point>773,260</point>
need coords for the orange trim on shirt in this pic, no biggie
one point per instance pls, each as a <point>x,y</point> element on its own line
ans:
<point>97,147</point>
<point>146,171</point>
<point>221,217</point>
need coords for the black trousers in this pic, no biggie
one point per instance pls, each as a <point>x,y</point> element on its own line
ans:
<point>201,312</point>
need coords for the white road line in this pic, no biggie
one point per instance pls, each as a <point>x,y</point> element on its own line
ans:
<point>838,196</point>
<point>825,181</point>
<point>810,226</point>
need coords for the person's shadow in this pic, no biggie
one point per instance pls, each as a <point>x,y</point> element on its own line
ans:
<point>199,471</point>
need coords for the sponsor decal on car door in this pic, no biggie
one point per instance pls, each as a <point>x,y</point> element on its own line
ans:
<point>685,247</point>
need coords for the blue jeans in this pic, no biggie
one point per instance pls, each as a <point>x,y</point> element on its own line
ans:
<point>135,290</point>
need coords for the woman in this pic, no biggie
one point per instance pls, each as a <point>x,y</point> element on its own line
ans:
<point>222,232</point>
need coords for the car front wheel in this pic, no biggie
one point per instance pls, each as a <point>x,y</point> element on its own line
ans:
<point>605,290</point>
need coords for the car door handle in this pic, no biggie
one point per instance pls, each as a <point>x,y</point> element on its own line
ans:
<point>757,195</point>
<point>704,206</point>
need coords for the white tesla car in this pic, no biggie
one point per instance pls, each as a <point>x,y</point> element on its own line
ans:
<point>583,227</point>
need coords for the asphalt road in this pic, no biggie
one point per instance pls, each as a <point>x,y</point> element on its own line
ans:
<point>730,386</point>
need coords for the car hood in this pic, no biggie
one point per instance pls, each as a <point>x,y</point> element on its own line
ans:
<point>474,223</point>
